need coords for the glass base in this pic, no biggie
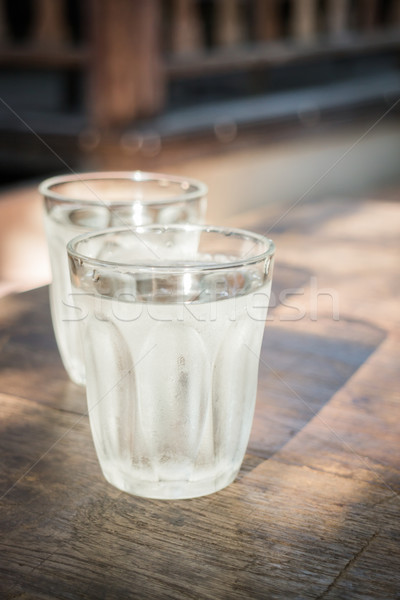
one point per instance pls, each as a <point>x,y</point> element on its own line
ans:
<point>170,490</point>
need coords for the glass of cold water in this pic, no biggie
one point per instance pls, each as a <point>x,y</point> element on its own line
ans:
<point>83,202</point>
<point>173,318</point>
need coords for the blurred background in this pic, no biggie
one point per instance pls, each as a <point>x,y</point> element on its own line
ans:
<point>266,101</point>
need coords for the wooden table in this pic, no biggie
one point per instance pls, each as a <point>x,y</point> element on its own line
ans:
<point>315,512</point>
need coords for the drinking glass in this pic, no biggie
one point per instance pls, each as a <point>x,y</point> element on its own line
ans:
<point>173,318</point>
<point>83,202</point>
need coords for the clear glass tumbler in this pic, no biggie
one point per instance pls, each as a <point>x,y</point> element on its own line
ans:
<point>173,318</point>
<point>90,201</point>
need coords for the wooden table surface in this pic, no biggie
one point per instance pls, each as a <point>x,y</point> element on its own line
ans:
<point>315,512</point>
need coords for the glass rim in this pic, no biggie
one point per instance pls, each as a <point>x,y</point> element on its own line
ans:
<point>45,186</point>
<point>172,266</point>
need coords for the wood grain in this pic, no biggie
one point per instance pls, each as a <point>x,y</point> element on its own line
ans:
<point>314,513</point>
<point>30,365</point>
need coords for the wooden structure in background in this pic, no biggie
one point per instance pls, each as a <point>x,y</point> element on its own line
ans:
<point>49,27</point>
<point>267,24</point>
<point>315,511</point>
<point>186,34</point>
<point>130,50</point>
<point>125,77</point>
